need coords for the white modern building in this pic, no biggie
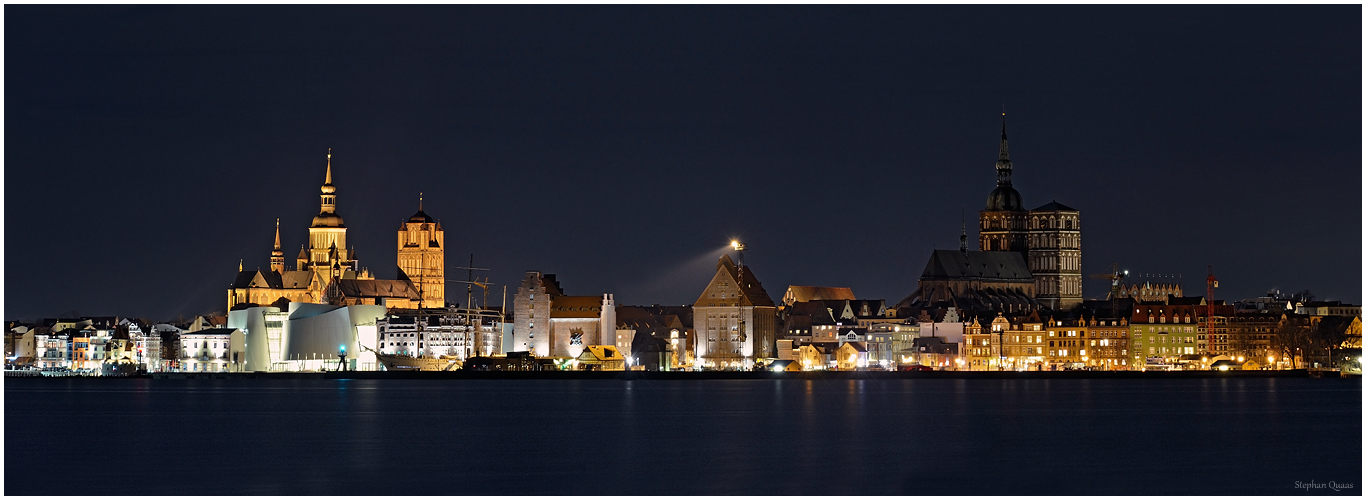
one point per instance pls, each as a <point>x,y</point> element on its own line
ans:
<point>309,337</point>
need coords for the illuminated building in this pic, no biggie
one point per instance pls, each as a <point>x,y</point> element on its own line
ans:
<point>53,349</point>
<point>1023,344</point>
<point>548,323</point>
<point>421,257</point>
<point>851,356</point>
<point>1108,345</point>
<point>1250,332</point>
<point>1149,291</point>
<point>979,351</point>
<point>936,352</point>
<point>601,358</point>
<point>983,344</point>
<point>1162,336</point>
<point>307,337</point>
<point>146,348</point>
<point>670,325</point>
<point>429,335</point>
<point>735,320</point>
<point>1067,342</point>
<point>816,356</point>
<point>327,258</point>
<point>210,350</point>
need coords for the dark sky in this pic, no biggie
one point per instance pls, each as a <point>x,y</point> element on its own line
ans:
<point>148,149</point>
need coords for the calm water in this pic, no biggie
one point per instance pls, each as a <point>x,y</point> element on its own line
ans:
<point>593,437</point>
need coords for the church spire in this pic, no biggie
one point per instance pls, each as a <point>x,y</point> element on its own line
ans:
<point>277,254</point>
<point>963,234</point>
<point>1003,165</point>
<point>329,192</point>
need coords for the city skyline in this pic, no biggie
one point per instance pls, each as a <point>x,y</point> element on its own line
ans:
<point>625,169</point>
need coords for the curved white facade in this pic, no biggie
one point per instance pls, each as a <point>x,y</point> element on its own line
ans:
<point>316,333</point>
<point>252,323</point>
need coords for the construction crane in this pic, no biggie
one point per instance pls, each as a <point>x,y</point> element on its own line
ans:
<point>1116,277</point>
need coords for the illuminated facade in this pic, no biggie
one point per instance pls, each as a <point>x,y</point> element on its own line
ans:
<point>421,257</point>
<point>1067,342</point>
<point>211,350</point>
<point>1108,345</point>
<point>1023,344</point>
<point>981,349</point>
<point>325,260</point>
<point>1161,335</point>
<point>549,323</point>
<point>735,320</point>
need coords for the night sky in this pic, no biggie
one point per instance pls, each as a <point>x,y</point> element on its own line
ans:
<point>149,149</point>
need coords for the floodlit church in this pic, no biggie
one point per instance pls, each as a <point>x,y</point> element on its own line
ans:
<point>327,271</point>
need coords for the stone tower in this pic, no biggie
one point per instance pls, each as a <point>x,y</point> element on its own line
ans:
<point>1055,254</point>
<point>1048,236</point>
<point>328,255</point>
<point>421,257</point>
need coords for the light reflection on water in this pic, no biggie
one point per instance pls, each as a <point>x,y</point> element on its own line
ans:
<point>592,437</point>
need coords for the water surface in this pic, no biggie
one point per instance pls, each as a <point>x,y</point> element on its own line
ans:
<point>712,437</point>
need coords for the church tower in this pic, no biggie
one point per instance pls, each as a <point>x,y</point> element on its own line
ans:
<point>1048,236</point>
<point>1055,254</point>
<point>421,257</point>
<point>328,255</point>
<point>277,255</point>
<point>1003,220</point>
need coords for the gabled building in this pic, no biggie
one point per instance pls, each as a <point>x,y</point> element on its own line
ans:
<point>671,325</point>
<point>549,323</point>
<point>601,358</point>
<point>851,356</point>
<point>1023,343</point>
<point>735,319</point>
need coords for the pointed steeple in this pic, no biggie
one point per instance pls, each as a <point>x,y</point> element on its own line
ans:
<point>1003,165</point>
<point>277,255</point>
<point>329,192</point>
<point>963,235</point>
